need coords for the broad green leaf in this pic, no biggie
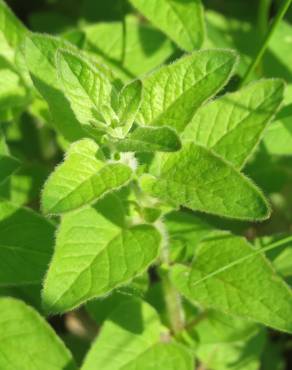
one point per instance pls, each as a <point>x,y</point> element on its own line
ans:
<point>129,102</point>
<point>12,93</point>
<point>28,342</point>
<point>134,334</point>
<point>278,137</point>
<point>198,179</point>
<point>40,51</point>
<point>12,33</point>
<point>88,89</point>
<point>82,179</point>
<point>241,355</point>
<point>228,274</point>
<point>140,50</point>
<point>94,255</point>
<point>150,139</point>
<point>181,20</point>
<point>173,93</point>
<point>26,245</point>
<point>185,231</point>
<point>7,166</point>
<point>233,125</point>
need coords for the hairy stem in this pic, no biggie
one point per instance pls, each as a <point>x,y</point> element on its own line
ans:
<point>172,297</point>
<point>282,11</point>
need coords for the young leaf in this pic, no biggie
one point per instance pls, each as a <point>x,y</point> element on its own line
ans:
<point>87,88</point>
<point>8,165</point>
<point>198,179</point>
<point>181,20</point>
<point>133,332</point>
<point>28,342</point>
<point>82,179</point>
<point>12,33</point>
<point>94,254</point>
<point>26,245</point>
<point>129,102</point>
<point>230,275</point>
<point>150,139</point>
<point>233,125</point>
<point>173,93</point>
<point>40,51</point>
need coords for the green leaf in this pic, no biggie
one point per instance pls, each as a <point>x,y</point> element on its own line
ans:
<point>182,20</point>
<point>173,93</point>
<point>28,342</point>
<point>94,254</point>
<point>131,51</point>
<point>134,334</point>
<point>88,89</point>
<point>12,92</point>
<point>150,139</point>
<point>228,274</point>
<point>26,245</point>
<point>40,51</point>
<point>129,102</point>
<point>233,125</point>
<point>83,178</point>
<point>12,33</point>
<point>8,165</point>
<point>198,179</point>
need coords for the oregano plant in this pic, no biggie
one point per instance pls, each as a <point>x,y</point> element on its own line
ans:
<point>145,176</point>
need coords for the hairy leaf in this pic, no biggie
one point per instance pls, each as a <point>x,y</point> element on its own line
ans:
<point>26,245</point>
<point>88,89</point>
<point>82,179</point>
<point>150,139</point>
<point>129,102</point>
<point>198,179</point>
<point>181,20</point>
<point>173,93</point>
<point>230,275</point>
<point>95,254</point>
<point>12,32</point>
<point>134,333</point>
<point>40,51</point>
<point>28,342</point>
<point>233,125</point>
<point>7,166</point>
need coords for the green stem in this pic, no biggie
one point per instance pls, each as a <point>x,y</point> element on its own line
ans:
<point>263,17</point>
<point>282,11</point>
<point>173,304</point>
<point>172,297</point>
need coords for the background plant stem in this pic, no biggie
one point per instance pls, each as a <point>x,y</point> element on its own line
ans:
<point>282,11</point>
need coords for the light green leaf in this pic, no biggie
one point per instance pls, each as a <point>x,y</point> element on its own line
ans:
<point>233,125</point>
<point>198,179</point>
<point>12,33</point>
<point>173,93</point>
<point>134,334</point>
<point>26,245</point>
<point>228,274</point>
<point>28,342</point>
<point>39,51</point>
<point>82,179</point>
<point>129,102</point>
<point>139,50</point>
<point>94,254</point>
<point>150,139</point>
<point>185,231</point>
<point>88,89</point>
<point>182,20</point>
<point>12,93</point>
<point>8,165</point>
